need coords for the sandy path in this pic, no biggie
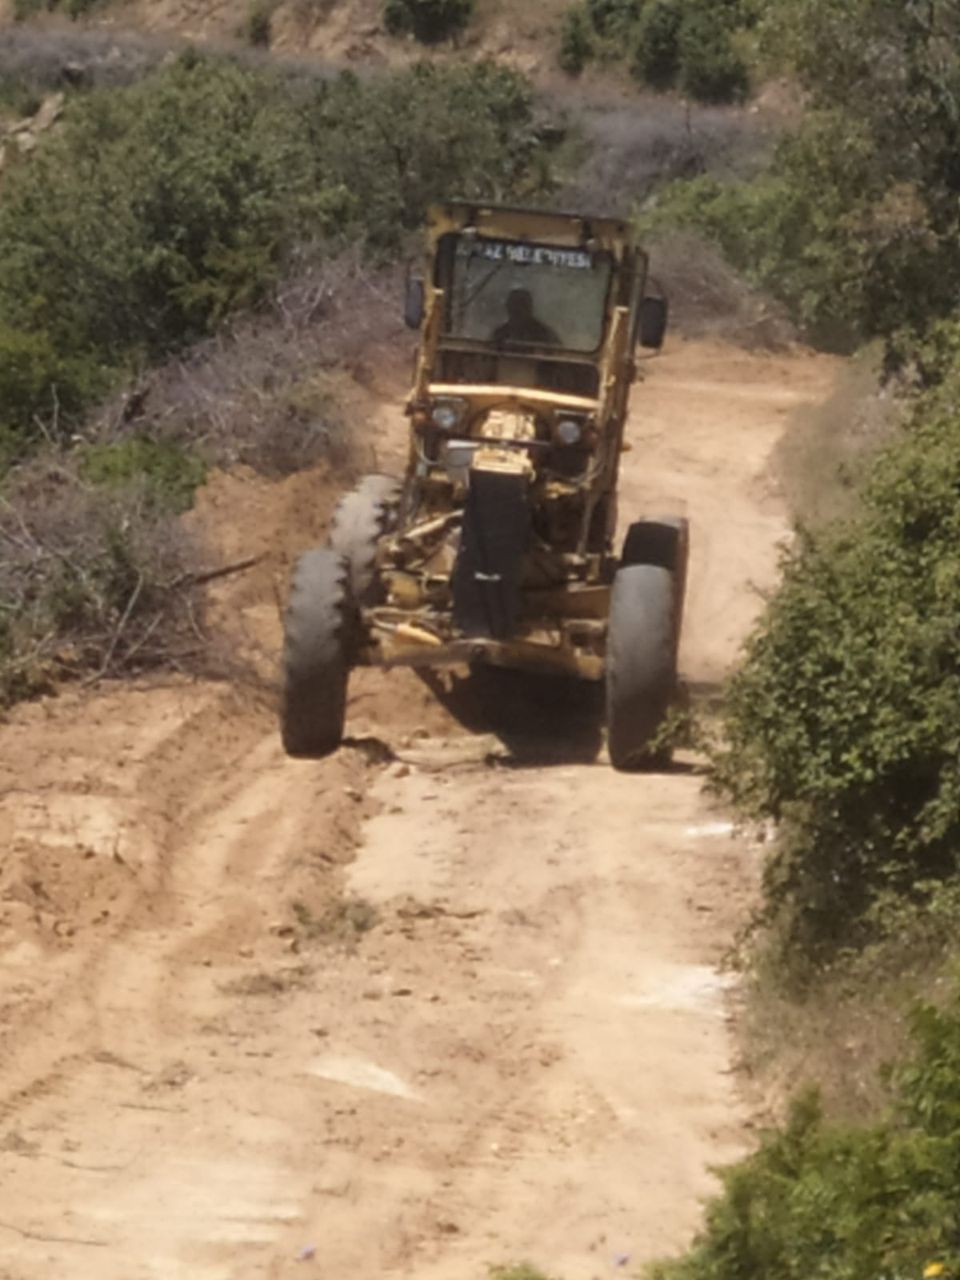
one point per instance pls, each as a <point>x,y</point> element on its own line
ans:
<point>205,1073</point>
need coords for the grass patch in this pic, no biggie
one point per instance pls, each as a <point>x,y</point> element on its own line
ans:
<point>844,1030</point>
<point>168,471</point>
<point>266,984</point>
<point>341,923</point>
<point>823,458</point>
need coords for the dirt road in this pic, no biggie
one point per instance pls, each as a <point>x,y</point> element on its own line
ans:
<point>269,1019</point>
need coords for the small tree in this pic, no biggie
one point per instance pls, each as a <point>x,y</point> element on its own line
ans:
<point>258,27</point>
<point>656,52</point>
<point>576,43</point>
<point>613,18</point>
<point>429,21</point>
<point>710,67</point>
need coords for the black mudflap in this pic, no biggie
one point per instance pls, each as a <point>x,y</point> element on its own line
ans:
<point>486,576</point>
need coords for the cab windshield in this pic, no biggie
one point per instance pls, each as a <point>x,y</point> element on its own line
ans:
<point>520,295</point>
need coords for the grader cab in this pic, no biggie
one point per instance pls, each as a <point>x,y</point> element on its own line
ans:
<point>497,545</point>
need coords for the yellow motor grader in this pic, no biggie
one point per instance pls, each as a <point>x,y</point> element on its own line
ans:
<point>497,545</point>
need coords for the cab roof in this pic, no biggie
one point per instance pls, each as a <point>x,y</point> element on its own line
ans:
<point>515,222</point>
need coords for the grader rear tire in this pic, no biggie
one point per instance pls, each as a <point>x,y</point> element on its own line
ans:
<point>641,672</point>
<point>320,630</point>
<point>361,519</point>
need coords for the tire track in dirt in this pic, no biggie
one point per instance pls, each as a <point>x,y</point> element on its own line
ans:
<point>528,1056</point>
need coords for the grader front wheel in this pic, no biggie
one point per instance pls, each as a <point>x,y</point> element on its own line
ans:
<point>641,663</point>
<point>361,519</point>
<point>320,630</point>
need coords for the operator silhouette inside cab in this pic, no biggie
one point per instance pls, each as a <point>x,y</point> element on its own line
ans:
<point>521,324</point>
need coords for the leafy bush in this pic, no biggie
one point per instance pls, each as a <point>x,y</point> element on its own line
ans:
<point>177,197</point>
<point>710,69</point>
<point>169,473</point>
<point>897,127</point>
<point>822,1202</point>
<point>433,131</point>
<point>656,55</point>
<point>856,226</point>
<point>429,21</point>
<point>825,232</point>
<point>613,18</point>
<point>263,394</point>
<point>183,197</point>
<point>843,722</point>
<point>258,27</point>
<point>576,43</point>
<point>37,385</point>
<point>684,42</point>
<point>18,98</point>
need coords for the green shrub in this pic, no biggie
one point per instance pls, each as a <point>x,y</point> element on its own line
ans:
<point>178,198</point>
<point>40,391</point>
<point>258,27</point>
<point>822,1202</point>
<point>656,52</point>
<point>824,232</point>
<point>889,103</point>
<point>664,41</point>
<point>169,472</point>
<point>182,199</point>
<point>429,132</point>
<point>429,21</point>
<point>576,43</point>
<point>710,68</point>
<point>844,722</point>
<point>613,18</point>
<point>18,97</point>
<point>24,10</point>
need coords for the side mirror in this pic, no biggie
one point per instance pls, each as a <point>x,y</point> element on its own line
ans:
<point>653,322</point>
<point>413,305</point>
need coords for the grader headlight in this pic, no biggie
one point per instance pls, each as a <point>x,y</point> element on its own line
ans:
<point>448,413</point>
<point>569,431</point>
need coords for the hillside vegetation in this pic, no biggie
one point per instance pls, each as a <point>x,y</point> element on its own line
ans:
<point>155,212</point>
<point>170,210</point>
<point>697,46</point>
<point>841,726</point>
<point>855,224</point>
<point>820,1199</point>
<point>160,208</point>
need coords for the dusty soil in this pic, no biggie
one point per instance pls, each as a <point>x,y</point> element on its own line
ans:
<point>453,997</point>
<point>351,32</point>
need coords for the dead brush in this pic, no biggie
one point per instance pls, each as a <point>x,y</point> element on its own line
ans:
<point>93,582</point>
<point>98,577</point>
<point>632,146</point>
<point>265,393</point>
<point>710,299</point>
